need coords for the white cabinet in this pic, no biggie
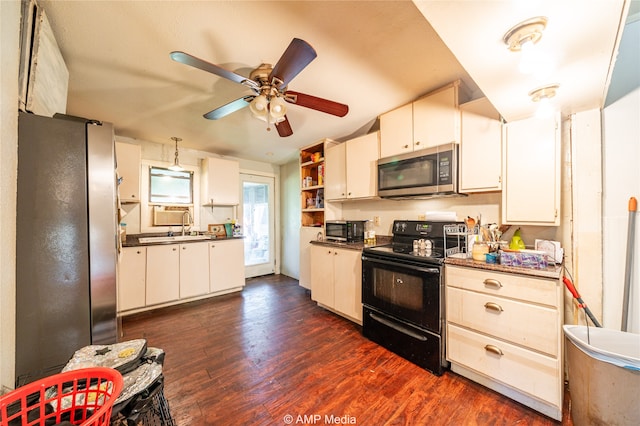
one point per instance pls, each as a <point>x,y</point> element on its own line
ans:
<point>336,280</point>
<point>220,182</point>
<point>504,331</point>
<point>163,274</point>
<point>480,147</point>
<point>226,265</point>
<point>531,163</point>
<point>194,276</point>
<point>307,234</point>
<point>128,157</point>
<point>132,278</point>
<point>352,168</point>
<point>429,121</point>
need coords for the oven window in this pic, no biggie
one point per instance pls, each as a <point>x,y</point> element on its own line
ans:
<point>401,290</point>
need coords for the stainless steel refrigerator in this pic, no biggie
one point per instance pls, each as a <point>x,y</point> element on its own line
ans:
<point>66,242</point>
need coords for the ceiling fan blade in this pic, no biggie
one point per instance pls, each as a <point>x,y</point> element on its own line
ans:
<point>319,104</point>
<point>185,58</point>
<point>295,58</point>
<point>284,128</point>
<point>227,109</point>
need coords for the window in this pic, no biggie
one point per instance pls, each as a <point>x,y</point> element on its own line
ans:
<point>170,187</point>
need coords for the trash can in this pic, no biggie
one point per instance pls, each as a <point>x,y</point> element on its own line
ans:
<point>604,375</point>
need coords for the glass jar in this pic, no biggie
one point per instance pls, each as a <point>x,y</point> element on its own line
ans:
<point>479,250</point>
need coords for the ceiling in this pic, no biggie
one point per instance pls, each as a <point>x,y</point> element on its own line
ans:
<point>372,55</point>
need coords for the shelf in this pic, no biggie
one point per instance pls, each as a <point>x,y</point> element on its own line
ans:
<point>311,188</point>
<point>313,210</point>
<point>312,163</point>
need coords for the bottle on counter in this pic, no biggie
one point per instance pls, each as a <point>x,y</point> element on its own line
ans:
<point>369,233</point>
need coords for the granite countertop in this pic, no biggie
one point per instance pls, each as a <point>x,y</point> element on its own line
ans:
<point>552,271</point>
<point>133,240</point>
<point>380,241</point>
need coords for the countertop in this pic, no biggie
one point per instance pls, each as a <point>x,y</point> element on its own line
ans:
<point>380,241</point>
<point>552,271</point>
<point>133,240</point>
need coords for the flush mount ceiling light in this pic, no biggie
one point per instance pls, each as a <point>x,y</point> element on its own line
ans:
<point>521,38</point>
<point>176,167</point>
<point>543,95</point>
<point>529,31</point>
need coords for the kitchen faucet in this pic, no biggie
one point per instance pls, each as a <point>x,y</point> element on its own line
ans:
<point>188,214</point>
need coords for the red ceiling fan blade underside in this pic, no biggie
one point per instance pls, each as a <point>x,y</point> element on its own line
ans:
<point>284,128</point>
<point>295,58</point>
<point>227,109</point>
<point>319,104</point>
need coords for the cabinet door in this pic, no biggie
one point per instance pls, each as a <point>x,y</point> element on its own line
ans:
<point>480,147</point>
<point>348,282</point>
<point>362,166</point>
<point>307,234</point>
<point>128,160</point>
<point>163,274</point>
<point>436,119</point>
<point>322,290</point>
<point>194,269</point>
<point>335,180</point>
<point>396,131</point>
<point>226,265</point>
<point>131,278</point>
<point>220,182</point>
<point>531,187</point>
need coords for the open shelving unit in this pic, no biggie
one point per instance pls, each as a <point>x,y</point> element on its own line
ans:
<point>312,184</point>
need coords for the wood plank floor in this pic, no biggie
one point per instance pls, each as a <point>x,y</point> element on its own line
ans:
<point>268,352</point>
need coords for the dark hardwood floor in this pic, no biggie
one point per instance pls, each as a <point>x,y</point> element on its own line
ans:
<point>269,352</point>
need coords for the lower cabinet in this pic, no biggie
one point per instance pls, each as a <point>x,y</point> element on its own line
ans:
<point>504,331</point>
<point>167,274</point>
<point>226,265</point>
<point>163,274</point>
<point>132,278</point>
<point>336,280</point>
<point>194,274</point>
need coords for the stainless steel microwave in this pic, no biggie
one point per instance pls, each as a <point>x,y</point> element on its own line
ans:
<point>427,172</point>
<point>346,231</point>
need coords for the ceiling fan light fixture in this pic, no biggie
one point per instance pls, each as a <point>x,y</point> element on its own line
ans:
<point>277,108</point>
<point>176,167</point>
<point>259,105</point>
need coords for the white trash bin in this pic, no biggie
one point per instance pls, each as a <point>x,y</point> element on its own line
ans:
<point>604,376</point>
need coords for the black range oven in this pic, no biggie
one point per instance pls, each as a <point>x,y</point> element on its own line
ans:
<point>403,293</point>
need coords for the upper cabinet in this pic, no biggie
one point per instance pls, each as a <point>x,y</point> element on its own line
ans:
<point>128,157</point>
<point>220,182</point>
<point>429,121</point>
<point>531,164</point>
<point>480,147</point>
<point>352,168</point>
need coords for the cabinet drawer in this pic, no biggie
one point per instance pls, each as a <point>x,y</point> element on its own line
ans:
<point>534,326</point>
<point>529,289</point>
<point>531,372</point>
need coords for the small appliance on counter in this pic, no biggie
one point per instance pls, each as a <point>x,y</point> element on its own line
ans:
<point>346,231</point>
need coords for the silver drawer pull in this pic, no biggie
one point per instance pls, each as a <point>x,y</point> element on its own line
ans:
<point>493,306</point>
<point>493,349</point>
<point>490,282</point>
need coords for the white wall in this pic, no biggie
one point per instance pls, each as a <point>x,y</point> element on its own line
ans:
<point>621,180</point>
<point>290,218</point>
<point>9,50</point>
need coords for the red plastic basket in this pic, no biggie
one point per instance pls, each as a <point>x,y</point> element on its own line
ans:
<point>83,397</point>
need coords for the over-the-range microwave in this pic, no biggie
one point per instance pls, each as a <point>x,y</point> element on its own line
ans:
<point>427,172</point>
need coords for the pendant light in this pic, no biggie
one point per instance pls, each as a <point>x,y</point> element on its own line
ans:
<point>176,167</point>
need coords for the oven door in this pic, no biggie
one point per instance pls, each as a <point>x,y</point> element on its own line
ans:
<point>408,291</point>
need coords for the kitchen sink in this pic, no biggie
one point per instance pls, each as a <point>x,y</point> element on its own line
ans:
<point>175,238</point>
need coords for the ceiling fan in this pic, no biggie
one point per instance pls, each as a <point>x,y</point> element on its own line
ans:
<point>269,85</point>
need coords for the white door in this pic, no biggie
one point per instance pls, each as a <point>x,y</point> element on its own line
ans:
<point>258,224</point>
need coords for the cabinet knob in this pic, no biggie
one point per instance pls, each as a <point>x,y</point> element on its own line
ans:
<point>493,307</point>
<point>417,142</point>
<point>213,245</point>
<point>406,146</point>
<point>174,249</point>
<point>493,349</point>
<point>138,252</point>
<point>490,282</point>
<point>184,248</point>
